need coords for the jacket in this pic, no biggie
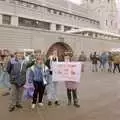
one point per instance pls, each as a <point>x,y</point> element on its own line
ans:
<point>116,59</point>
<point>17,71</point>
<point>38,74</point>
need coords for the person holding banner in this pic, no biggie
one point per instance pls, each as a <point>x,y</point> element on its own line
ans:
<point>71,88</point>
<point>52,86</point>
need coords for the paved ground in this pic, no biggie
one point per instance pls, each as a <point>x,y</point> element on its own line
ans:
<point>99,98</point>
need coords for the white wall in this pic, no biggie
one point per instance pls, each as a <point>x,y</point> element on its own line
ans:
<point>20,38</point>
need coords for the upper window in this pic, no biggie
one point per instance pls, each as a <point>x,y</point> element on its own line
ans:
<point>33,23</point>
<point>49,10</point>
<point>55,12</point>
<point>92,1</point>
<point>111,22</point>
<point>106,22</point>
<point>58,27</point>
<point>60,13</point>
<point>108,1</point>
<point>6,19</point>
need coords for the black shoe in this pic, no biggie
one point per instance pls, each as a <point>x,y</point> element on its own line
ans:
<point>19,106</point>
<point>11,109</point>
<point>69,103</point>
<point>49,103</point>
<point>6,94</point>
<point>57,103</point>
<point>77,105</point>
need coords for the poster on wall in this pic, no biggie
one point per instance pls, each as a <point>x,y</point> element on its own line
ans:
<point>67,71</point>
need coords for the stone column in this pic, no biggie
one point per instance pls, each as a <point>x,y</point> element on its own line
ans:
<point>53,27</point>
<point>62,28</point>
<point>0,19</point>
<point>14,20</point>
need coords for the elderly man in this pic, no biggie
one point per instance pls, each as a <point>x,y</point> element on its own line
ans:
<point>17,68</point>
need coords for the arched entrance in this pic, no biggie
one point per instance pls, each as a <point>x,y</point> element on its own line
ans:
<point>61,49</point>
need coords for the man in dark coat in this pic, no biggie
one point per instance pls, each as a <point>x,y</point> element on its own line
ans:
<point>17,68</point>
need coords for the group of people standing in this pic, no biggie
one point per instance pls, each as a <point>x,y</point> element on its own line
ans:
<point>36,70</point>
<point>31,76</point>
<point>106,61</point>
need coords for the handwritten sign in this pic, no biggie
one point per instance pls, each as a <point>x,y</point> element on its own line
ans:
<point>66,71</point>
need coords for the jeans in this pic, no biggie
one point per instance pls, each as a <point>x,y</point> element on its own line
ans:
<point>39,90</point>
<point>116,66</point>
<point>16,95</point>
<point>72,93</point>
<point>52,90</point>
<point>94,67</point>
<point>110,66</point>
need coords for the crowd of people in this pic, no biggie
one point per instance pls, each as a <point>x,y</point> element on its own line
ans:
<point>30,75</point>
<point>106,61</point>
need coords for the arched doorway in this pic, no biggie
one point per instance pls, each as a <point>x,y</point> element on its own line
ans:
<point>61,49</point>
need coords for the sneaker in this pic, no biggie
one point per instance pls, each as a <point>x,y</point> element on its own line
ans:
<point>77,105</point>
<point>33,106</point>
<point>19,106</point>
<point>57,103</point>
<point>49,103</point>
<point>11,109</point>
<point>40,104</point>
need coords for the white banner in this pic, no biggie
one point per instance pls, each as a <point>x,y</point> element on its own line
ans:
<point>66,71</point>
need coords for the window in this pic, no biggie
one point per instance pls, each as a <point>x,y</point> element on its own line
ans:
<point>34,23</point>
<point>54,11</point>
<point>24,4</point>
<point>92,1</point>
<point>6,19</point>
<point>70,15</point>
<point>111,22</point>
<point>34,6</point>
<point>49,10</point>
<point>75,17</point>
<point>42,25</point>
<point>108,1</point>
<point>60,13</point>
<point>58,27</point>
<point>26,22</point>
<point>96,35</point>
<point>90,34</point>
<point>106,22</point>
<point>67,28</point>
<point>11,1</point>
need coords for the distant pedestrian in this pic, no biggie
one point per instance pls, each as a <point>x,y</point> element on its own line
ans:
<point>82,58</point>
<point>103,61</point>
<point>116,62</point>
<point>110,60</point>
<point>94,59</point>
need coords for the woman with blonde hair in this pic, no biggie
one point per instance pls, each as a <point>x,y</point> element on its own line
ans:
<point>38,74</point>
